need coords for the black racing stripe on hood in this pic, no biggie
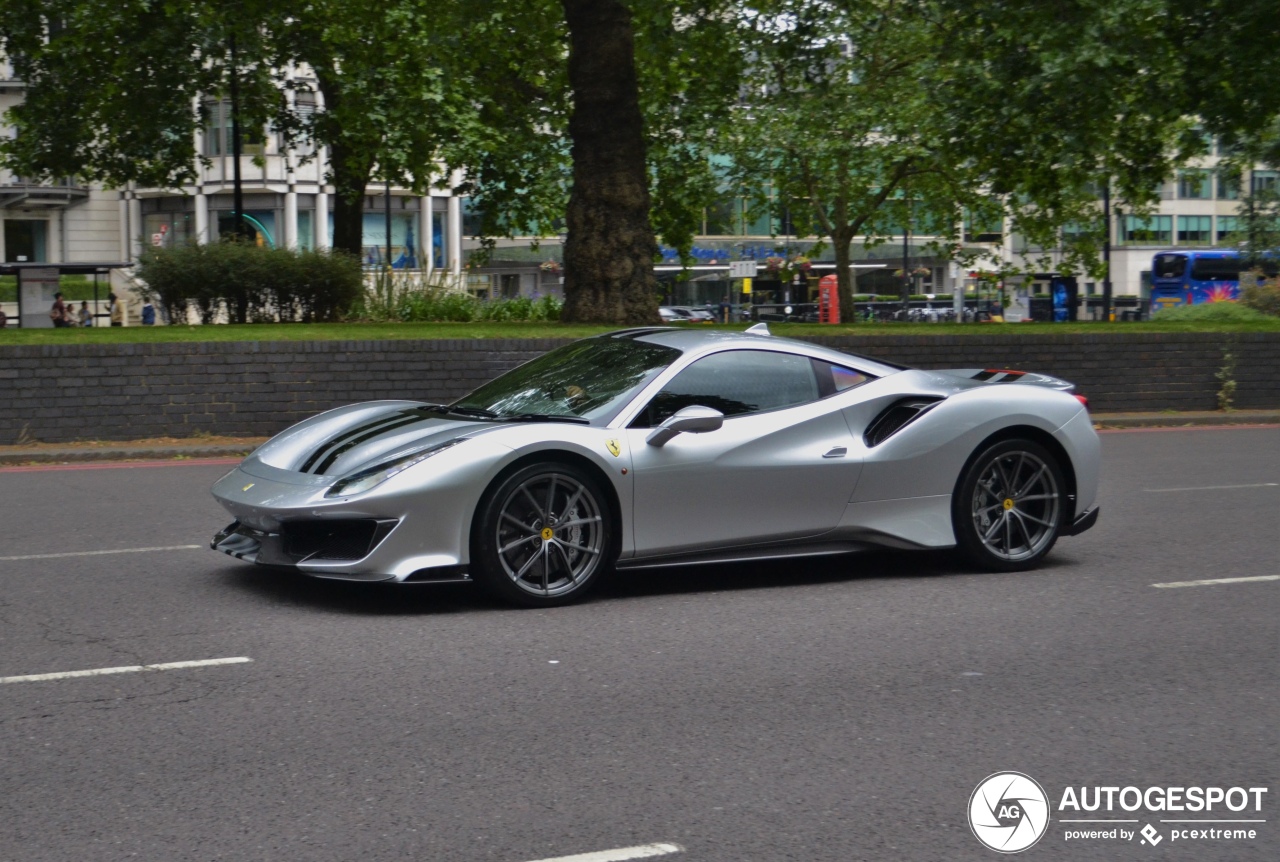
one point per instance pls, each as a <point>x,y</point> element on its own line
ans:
<point>378,425</point>
<point>408,417</point>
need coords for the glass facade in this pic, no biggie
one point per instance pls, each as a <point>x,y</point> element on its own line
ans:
<point>1227,225</point>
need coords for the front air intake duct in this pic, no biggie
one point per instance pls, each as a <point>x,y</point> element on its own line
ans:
<point>897,416</point>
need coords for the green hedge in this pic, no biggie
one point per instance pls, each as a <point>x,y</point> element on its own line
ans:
<point>250,283</point>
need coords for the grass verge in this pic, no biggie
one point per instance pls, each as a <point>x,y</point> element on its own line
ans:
<point>390,331</point>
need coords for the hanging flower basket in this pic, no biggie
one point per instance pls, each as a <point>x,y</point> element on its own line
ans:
<point>551,266</point>
<point>801,263</point>
<point>774,264</point>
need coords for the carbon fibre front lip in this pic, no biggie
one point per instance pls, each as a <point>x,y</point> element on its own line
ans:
<point>1084,522</point>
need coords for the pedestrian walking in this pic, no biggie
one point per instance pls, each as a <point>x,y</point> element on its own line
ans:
<point>148,313</point>
<point>116,309</point>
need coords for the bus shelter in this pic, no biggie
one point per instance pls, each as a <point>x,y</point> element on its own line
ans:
<point>38,282</point>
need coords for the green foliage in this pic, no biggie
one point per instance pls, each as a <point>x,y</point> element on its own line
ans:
<point>1210,312</point>
<point>407,297</point>
<point>1226,375</point>
<point>242,283</point>
<point>1260,294</point>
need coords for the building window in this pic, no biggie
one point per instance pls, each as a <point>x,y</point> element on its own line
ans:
<point>260,225</point>
<point>1149,230</point>
<point>478,286</point>
<point>1227,226</point>
<point>1194,185</point>
<point>438,221</point>
<point>167,229</point>
<point>306,238</point>
<point>1228,186</point>
<point>1266,181</point>
<point>217,134</point>
<point>25,240</point>
<point>724,218</point>
<point>988,229</point>
<point>1195,230</point>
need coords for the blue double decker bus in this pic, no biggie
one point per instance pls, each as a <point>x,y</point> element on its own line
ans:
<point>1193,277</point>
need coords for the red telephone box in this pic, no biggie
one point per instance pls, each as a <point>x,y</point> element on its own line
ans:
<point>828,300</point>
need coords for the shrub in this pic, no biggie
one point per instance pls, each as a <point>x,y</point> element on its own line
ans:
<point>1260,293</point>
<point>408,297</point>
<point>243,282</point>
<point>1209,312</point>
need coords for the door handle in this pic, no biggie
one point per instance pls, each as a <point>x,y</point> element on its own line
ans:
<point>836,452</point>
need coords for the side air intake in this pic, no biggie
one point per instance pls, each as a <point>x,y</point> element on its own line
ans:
<point>895,417</point>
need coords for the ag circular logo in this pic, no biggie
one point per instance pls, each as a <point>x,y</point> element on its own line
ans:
<point>1008,812</point>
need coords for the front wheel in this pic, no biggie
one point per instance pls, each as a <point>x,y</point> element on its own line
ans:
<point>543,536</point>
<point>1009,506</point>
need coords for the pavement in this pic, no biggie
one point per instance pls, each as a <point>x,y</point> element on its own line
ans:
<point>172,703</point>
<point>169,448</point>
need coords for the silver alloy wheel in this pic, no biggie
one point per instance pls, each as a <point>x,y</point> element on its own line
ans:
<point>1016,505</point>
<point>550,534</point>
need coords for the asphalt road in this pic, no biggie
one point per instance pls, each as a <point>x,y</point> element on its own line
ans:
<point>836,711</point>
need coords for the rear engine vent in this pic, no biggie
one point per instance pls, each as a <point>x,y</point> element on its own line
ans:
<point>895,417</point>
<point>337,541</point>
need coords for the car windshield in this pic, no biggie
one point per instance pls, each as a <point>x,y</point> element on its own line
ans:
<point>591,379</point>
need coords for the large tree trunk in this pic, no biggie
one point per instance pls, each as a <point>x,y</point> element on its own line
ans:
<point>610,246</point>
<point>840,242</point>
<point>349,171</point>
<point>348,200</point>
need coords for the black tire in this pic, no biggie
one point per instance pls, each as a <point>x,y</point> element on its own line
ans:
<point>1009,506</point>
<point>543,536</point>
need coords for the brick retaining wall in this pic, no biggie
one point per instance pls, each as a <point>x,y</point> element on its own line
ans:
<point>61,393</point>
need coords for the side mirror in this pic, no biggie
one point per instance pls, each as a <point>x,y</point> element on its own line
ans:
<point>695,419</point>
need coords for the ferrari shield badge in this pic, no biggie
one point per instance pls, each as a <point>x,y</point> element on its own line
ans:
<point>614,447</point>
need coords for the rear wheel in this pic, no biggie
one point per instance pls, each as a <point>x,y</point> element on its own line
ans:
<point>543,536</point>
<point>1009,506</point>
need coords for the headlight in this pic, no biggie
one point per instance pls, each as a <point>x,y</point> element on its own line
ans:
<point>372,477</point>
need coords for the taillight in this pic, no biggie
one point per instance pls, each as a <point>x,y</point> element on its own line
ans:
<point>1083,400</point>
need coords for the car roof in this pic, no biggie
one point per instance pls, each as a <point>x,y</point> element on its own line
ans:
<point>710,340</point>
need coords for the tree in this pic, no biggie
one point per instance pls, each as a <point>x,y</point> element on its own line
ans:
<point>840,121</point>
<point>116,91</point>
<point>579,125</point>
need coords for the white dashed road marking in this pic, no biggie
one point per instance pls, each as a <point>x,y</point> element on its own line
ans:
<point>1216,581</point>
<point>99,553</point>
<point>621,854</point>
<point>173,665</point>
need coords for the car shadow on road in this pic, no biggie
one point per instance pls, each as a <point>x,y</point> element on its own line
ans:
<point>292,589</point>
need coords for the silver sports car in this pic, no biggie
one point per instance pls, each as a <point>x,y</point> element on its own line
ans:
<point>662,446</point>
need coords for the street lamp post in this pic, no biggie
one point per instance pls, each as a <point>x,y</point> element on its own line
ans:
<point>1106,249</point>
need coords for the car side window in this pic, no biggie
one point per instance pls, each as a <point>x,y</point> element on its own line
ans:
<point>836,378</point>
<point>735,382</point>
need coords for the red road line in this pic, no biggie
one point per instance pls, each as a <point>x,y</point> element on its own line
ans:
<point>1182,428</point>
<point>122,465</point>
